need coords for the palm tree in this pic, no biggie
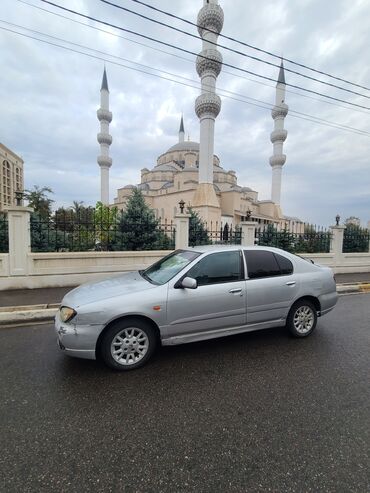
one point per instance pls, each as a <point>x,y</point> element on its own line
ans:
<point>39,201</point>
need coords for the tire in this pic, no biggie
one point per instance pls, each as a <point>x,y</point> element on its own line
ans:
<point>128,344</point>
<point>302,319</point>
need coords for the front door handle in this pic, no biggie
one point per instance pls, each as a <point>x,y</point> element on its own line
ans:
<point>236,290</point>
<point>290,283</point>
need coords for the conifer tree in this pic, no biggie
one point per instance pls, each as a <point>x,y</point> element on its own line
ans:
<point>198,234</point>
<point>137,227</point>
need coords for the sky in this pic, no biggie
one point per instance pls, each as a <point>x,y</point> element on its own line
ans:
<point>49,97</point>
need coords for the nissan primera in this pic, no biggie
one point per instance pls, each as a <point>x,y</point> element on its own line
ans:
<point>191,295</point>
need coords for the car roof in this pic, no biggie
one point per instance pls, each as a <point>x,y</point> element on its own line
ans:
<point>225,248</point>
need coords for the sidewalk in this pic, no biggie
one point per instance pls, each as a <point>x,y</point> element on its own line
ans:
<point>23,306</point>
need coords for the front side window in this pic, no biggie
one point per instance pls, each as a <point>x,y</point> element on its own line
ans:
<point>166,268</point>
<point>217,268</point>
<point>261,264</point>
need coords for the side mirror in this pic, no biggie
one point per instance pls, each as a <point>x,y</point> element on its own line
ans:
<point>189,283</point>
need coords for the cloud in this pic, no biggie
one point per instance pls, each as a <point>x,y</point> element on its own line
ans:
<point>50,97</point>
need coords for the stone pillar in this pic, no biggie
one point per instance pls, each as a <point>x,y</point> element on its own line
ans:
<point>248,233</point>
<point>336,241</point>
<point>182,230</point>
<point>19,239</point>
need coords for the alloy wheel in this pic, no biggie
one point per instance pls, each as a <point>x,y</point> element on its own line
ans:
<point>303,319</point>
<point>129,346</point>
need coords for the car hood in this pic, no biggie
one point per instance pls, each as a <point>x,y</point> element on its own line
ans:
<point>91,292</point>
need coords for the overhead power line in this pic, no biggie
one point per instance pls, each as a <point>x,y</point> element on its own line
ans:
<point>150,19</point>
<point>188,60</point>
<point>201,56</point>
<point>252,47</point>
<point>256,102</point>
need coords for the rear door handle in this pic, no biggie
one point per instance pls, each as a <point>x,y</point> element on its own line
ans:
<point>235,291</point>
<point>290,283</point>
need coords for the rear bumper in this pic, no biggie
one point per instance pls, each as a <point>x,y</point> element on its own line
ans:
<point>328,302</point>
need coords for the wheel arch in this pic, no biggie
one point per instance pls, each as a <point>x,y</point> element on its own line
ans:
<point>315,301</point>
<point>142,318</point>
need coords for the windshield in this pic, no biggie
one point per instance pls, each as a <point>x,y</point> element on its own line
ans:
<point>166,268</point>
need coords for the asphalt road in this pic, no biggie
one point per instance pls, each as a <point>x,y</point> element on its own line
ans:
<point>257,412</point>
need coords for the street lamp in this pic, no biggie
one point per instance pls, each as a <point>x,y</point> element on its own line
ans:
<point>18,197</point>
<point>337,219</point>
<point>182,205</point>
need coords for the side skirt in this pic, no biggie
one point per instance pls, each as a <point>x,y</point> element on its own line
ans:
<point>213,334</point>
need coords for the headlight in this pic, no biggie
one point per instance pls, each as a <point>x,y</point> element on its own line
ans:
<point>66,314</point>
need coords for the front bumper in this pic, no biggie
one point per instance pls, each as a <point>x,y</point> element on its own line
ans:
<point>77,340</point>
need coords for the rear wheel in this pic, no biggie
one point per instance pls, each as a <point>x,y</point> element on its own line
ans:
<point>128,344</point>
<point>302,319</point>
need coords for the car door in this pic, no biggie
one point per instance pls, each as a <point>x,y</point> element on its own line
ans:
<point>271,286</point>
<point>219,300</point>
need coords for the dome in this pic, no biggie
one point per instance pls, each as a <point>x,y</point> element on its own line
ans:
<point>187,145</point>
<point>129,186</point>
<point>164,167</point>
<point>168,184</point>
<point>143,186</point>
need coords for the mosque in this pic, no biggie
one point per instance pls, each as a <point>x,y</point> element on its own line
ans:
<point>190,171</point>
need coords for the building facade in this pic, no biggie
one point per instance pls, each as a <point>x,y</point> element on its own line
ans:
<point>176,176</point>
<point>191,172</point>
<point>11,176</point>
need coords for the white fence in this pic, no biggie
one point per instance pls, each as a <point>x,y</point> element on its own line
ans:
<point>20,268</point>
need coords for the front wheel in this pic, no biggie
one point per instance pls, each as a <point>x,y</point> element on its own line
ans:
<point>128,344</point>
<point>302,319</point>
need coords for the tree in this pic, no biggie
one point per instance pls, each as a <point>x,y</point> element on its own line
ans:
<point>77,206</point>
<point>356,239</point>
<point>45,237</point>
<point>198,234</point>
<point>283,239</point>
<point>39,200</point>
<point>105,219</point>
<point>137,227</point>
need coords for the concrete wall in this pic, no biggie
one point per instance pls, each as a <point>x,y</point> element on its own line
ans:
<point>73,268</point>
<point>346,263</point>
<point>70,269</point>
<point>22,268</point>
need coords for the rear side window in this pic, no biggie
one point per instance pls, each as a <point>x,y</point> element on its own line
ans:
<point>286,266</point>
<point>266,264</point>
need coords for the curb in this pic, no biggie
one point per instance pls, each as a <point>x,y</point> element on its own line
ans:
<point>16,316</point>
<point>363,287</point>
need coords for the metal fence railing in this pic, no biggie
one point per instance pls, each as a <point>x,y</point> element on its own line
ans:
<point>4,241</point>
<point>356,239</point>
<point>216,233</point>
<point>306,238</point>
<point>67,232</point>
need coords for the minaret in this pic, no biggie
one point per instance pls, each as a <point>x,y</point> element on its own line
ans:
<point>208,104</point>
<point>278,136</point>
<point>105,140</point>
<point>181,131</point>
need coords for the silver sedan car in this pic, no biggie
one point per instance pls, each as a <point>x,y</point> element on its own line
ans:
<point>191,295</point>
